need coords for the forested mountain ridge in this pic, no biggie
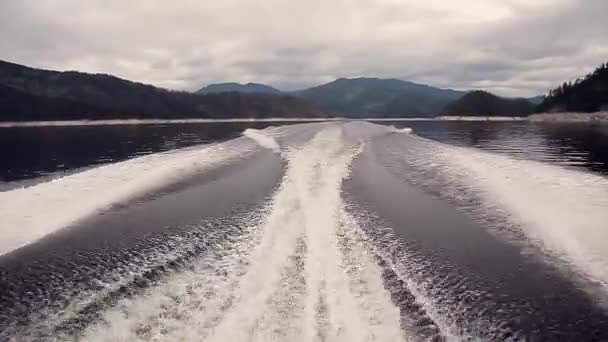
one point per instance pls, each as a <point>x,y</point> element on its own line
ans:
<point>587,94</point>
<point>376,97</point>
<point>482,103</point>
<point>36,94</point>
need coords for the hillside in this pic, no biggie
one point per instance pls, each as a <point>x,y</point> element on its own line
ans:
<point>25,106</point>
<point>413,105</point>
<point>237,87</point>
<point>374,97</point>
<point>35,94</point>
<point>481,103</point>
<point>589,94</point>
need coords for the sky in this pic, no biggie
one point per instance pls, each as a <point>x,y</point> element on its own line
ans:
<point>510,47</point>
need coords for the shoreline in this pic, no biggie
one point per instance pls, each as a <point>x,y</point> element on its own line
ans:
<point>598,117</point>
<point>151,121</point>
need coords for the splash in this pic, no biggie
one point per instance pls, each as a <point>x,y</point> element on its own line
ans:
<point>262,139</point>
<point>404,130</point>
<point>31,213</point>
<point>297,276</point>
<point>560,210</point>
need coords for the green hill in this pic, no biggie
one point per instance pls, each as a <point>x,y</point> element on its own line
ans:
<point>35,94</point>
<point>589,94</point>
<point>375,97</point>
<point>481,103</point>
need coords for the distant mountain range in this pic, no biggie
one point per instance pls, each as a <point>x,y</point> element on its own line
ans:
<point>481,103</point>
<point>35,94</point>
<point>375,97</point>
<point>238,87</point>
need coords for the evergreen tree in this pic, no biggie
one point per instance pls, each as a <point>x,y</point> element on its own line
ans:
<point>588,94</point>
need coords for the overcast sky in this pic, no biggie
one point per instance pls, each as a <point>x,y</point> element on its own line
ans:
<point>511,47</point>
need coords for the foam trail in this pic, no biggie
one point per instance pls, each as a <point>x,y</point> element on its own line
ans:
<point>281,231</point>
<point>366,283</point>
<point>187,305</point>
<point>404,130</point>
<point>411,270</point>
<point>564,210</point>
<point>308,205</point>
<point>559,209</point>
<point>330,309</point>
<point>30,213</point>
<point>294,277</point>
<point>262,139</point>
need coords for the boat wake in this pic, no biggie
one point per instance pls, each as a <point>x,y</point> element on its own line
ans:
<point>299,275</point>
<point>365,235</point>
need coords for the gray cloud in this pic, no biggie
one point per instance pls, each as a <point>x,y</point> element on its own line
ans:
<point>512,47</point>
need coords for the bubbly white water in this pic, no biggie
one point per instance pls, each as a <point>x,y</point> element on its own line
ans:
<point>566,211</point>
<point>295,277</point>
<point>562,210</point>
<point>262,139</point>
<point>29,214</point>
<point>303,269</point>
<point>405,130</point>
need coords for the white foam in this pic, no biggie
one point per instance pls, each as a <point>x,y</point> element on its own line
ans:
<point>262,139</point>
<point>186,306</point>
<point>259,292</point>
<point>562,210</point>
<point>30,213</point>
<point>366,282</point>
<point>413,271</point>
<point>404,130</point>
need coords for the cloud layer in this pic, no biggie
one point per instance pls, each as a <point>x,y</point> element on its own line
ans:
<point>512,47</point>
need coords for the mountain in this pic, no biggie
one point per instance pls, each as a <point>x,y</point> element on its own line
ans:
<point>238,87</point>
<point>35,94</point>
<point>589,94</point>
<point>481,103</point>
<point>375,97</point>
<point>415,105</point>
<point>21,105</point>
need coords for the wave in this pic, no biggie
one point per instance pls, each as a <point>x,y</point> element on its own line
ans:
<point>31,213</point>
<point>558,209</point>
<point>262,139</point>
<point>311,263</point>
<point>404,130</point>
<point>296,276</point>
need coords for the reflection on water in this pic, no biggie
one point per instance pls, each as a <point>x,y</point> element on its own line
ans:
<point>31,152</point>
<point>576,145</point>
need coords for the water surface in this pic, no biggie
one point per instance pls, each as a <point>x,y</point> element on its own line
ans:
<point>333,231</point>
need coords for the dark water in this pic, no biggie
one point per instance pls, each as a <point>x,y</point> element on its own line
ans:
<point>31,152</point>
<point>350,231</point>
<point>578,145</point>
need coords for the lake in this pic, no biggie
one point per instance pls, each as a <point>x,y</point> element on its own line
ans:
<point>30,152</point>
<point>338,230</point>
